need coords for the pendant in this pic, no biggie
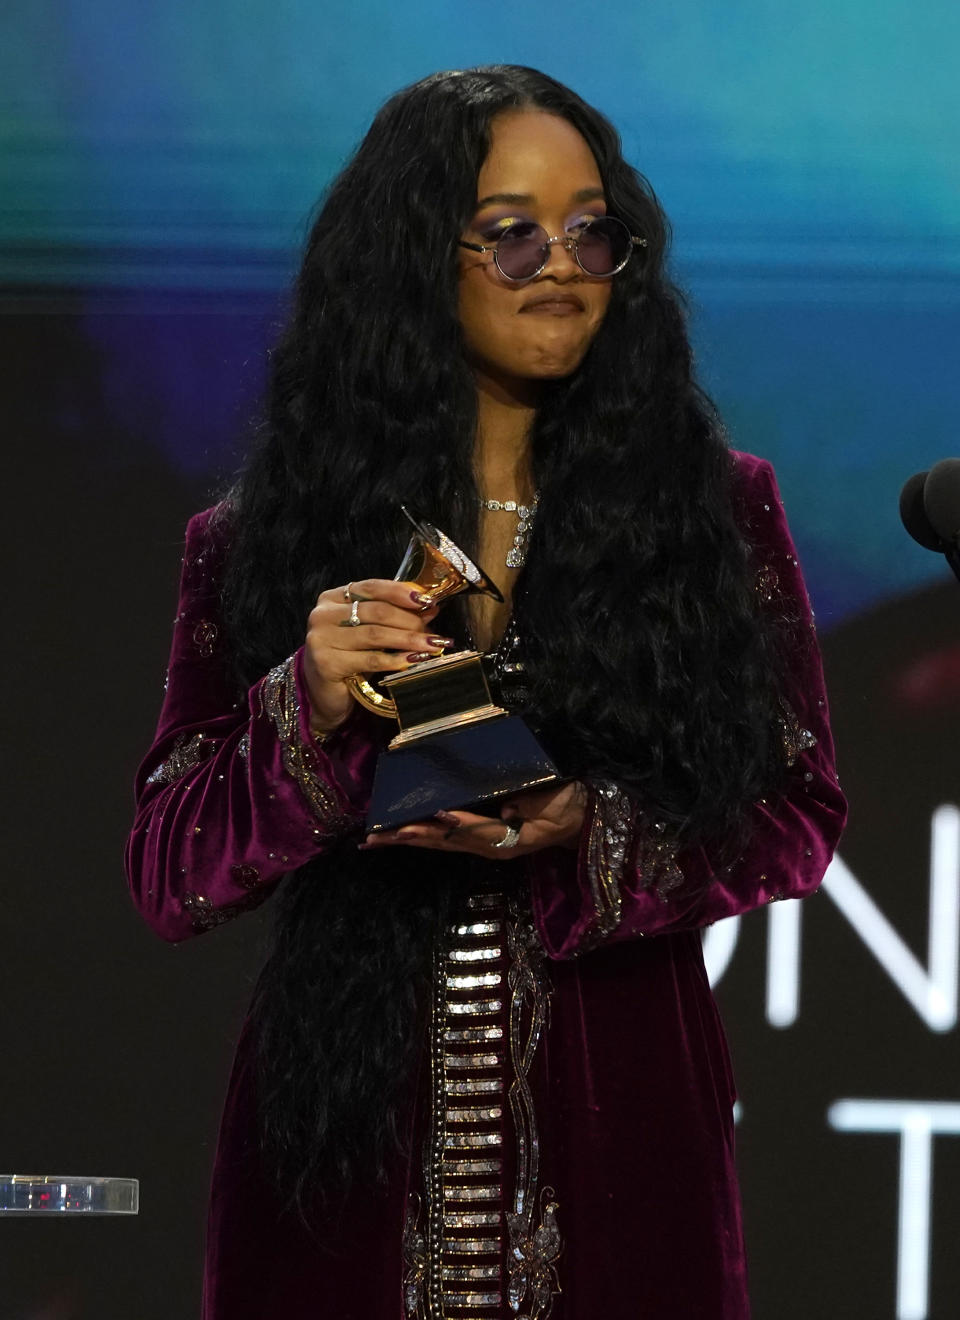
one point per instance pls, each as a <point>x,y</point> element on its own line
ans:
<point>517,554</point>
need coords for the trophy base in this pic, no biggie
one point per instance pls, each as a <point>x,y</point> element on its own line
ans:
<point>459,768</point>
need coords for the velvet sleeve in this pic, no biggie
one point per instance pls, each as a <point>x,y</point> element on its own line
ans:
<point>235,792</point>
<point>628,880</point>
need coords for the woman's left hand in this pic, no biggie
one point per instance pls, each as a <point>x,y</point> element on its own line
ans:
<point>546,818</point>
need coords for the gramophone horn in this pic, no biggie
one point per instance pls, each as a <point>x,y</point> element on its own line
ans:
<point>440,569</point>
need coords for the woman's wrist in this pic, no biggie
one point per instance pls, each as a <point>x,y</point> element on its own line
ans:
<point>321,730</point>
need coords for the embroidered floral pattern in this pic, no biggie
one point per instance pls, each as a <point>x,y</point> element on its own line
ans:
<point>414,1258</point>
<point>204,636</point>
<point>204,916</point>
<point>247,876</point>
<point>656,859</point>
<point>533,1251</point>
<point>187,752</point>
<point>533,1257</point>
<point>794,739</point>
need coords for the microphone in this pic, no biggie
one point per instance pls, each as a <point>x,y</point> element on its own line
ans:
<point>930,509</point>
<point>914,516</point>
<point>941,498</point>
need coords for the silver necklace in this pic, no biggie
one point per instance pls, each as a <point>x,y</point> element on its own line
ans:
<point>517,554</point>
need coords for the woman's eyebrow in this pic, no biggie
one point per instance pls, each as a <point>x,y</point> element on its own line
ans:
<point>507,199</point>
<point>526,199</point>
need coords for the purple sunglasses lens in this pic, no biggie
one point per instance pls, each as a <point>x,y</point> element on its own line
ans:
<point>603,246</point>
<point>522,250</point>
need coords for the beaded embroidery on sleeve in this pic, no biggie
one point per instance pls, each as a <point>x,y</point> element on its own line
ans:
<point>617,827</point>
<point>281,705</point>
<point>607,843</point>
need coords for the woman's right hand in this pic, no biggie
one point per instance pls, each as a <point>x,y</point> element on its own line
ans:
<point>392,635</point>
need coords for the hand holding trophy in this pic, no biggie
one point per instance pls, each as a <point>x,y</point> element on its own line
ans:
<point>455,747</point>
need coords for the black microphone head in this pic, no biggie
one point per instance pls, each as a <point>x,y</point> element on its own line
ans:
<point>941,498</point>
<point>914,516</point>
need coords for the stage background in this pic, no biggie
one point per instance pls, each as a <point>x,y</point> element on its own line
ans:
<point>157,166</point>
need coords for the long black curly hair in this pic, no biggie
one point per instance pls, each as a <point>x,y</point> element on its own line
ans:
<point>648,662</point>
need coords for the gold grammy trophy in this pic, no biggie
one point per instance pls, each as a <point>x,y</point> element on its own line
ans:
<point>456,747</point>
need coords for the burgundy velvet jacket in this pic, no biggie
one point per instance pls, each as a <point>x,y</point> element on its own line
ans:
<point>572,1137</point>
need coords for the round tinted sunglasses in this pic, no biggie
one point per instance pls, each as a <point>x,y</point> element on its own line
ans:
<point>600,247</point>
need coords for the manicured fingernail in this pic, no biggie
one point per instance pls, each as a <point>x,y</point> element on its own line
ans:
<point>416,656</point>
<point>447,817</point>
<point>440,641</point>
<point>420,598</point>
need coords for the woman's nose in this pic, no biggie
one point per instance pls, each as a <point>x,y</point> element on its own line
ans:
<point>561,261</point>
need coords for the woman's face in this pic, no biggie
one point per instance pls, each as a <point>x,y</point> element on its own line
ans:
<point>539,169</point>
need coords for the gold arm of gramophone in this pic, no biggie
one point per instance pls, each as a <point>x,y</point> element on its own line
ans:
<point>369,697</point>
<point>440,570</point>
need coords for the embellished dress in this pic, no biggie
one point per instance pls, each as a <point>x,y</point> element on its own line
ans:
<point>571,1132</point>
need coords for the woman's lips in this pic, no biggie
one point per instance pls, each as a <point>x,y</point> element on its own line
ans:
<point>554,304</point>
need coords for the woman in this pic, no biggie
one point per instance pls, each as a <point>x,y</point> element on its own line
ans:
<point>483,1060</point>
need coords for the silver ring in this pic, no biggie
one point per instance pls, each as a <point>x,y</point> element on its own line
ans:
<point>510,839</point>
<point>354,620</point>
<point>347,593</point>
